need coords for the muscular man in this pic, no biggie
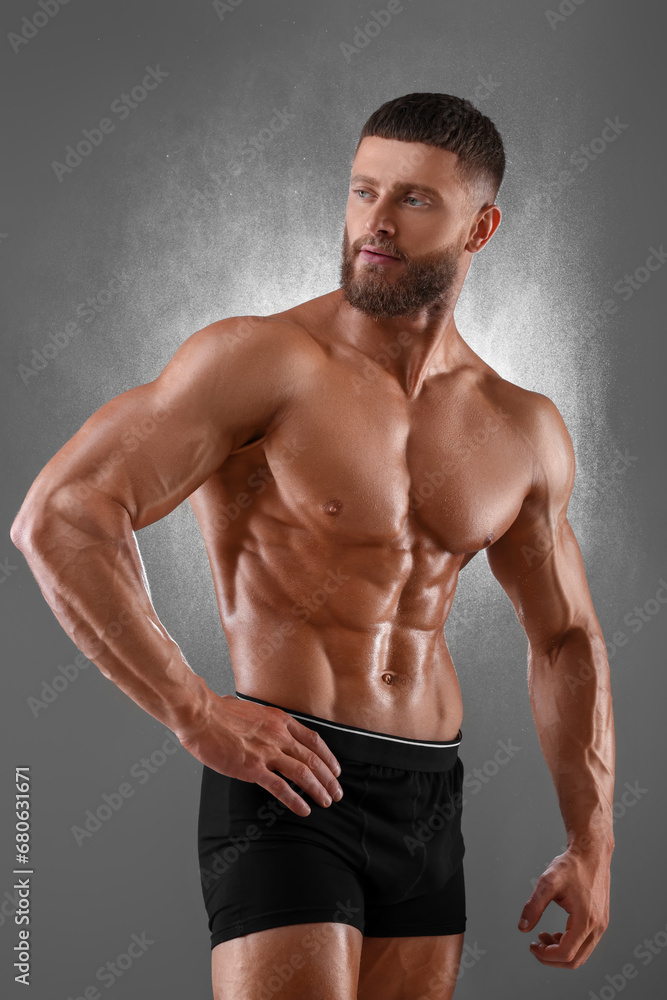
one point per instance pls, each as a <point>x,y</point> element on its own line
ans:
<point>345,459</point>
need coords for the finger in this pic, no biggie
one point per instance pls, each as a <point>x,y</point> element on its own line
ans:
<point>304,773</point>
<point>538,947</point>
<point>542,895</point>
<point>313,741</point>
<point>312,750</point>
<point>547,938</point>
<point>578,959</point>
<point>279,788</point>
<point>566,949</point>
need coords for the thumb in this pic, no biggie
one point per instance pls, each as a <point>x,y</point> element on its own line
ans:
<point>542,895</point>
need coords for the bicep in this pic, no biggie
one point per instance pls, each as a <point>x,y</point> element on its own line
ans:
<point>538,564</point>
<point>537,560</point>
<point>149,448</point>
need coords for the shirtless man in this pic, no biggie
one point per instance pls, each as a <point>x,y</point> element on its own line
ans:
<point>345,459</point>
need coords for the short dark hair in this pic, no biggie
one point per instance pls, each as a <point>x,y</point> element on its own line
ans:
<point>447,122</point>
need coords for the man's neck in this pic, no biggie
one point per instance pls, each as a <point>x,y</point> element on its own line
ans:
<point>408,347</point>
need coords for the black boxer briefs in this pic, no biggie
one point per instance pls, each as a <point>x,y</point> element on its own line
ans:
<point>387,858</point>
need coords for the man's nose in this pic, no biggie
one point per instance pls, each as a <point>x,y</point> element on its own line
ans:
<point>380,220</point>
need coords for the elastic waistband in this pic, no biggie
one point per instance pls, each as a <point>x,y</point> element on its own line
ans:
<point>353,743</point>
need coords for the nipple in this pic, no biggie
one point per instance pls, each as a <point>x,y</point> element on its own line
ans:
<point>333,507</point>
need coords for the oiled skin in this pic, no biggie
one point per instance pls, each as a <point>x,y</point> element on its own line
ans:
<point>389,455</point>
<point>339,493</point>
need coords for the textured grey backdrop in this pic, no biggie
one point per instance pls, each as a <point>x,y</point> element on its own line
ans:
<point>198,203</point>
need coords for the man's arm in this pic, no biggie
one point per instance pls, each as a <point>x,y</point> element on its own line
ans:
<point>131,463</point>
<point>539,565</point>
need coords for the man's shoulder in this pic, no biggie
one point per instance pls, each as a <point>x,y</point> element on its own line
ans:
<point>533,413</point>
<point>534,420</point>
<point>276,338</point>
<point>550,445</point>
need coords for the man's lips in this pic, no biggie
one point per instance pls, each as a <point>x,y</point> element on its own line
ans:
<point>376,256</point>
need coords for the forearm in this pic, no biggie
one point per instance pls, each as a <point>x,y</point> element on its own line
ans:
<point>87,564</point>
<point>570,696</point>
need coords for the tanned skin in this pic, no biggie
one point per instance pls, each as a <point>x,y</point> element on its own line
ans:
<point>382,454</point>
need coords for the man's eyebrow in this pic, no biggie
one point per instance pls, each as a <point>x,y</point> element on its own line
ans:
<point>426,188</point>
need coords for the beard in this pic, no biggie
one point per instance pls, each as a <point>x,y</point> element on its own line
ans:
<point>425,280</point>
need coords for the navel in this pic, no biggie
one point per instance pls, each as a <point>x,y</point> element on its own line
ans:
<point>388,678</point>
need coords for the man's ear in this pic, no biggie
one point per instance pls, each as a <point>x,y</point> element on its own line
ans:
<point>484,226</point>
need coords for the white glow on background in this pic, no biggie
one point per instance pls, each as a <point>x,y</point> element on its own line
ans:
<point>203,244</point>
<point>270,239</point>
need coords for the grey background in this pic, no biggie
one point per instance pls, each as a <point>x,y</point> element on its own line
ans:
<point>263,237</point>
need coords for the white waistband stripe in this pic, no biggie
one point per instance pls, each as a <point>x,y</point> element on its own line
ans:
<point>378,736</point>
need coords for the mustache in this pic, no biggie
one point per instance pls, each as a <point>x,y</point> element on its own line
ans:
<point>380,247</point>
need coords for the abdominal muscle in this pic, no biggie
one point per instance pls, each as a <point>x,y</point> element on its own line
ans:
<point>341,678</point>
<point>338,643</point>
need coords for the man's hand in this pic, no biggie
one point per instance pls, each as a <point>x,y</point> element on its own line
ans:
<point>244,740</point>
<point>579,882</point>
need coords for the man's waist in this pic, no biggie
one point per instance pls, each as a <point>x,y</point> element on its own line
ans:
<point>369,746</point>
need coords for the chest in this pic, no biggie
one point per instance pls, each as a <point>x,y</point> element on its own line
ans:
<point>359,462</point>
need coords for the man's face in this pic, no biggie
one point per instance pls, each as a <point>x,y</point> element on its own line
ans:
<point>405,199</point>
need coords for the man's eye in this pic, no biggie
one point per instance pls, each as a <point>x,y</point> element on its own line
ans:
<point>410,198</point>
